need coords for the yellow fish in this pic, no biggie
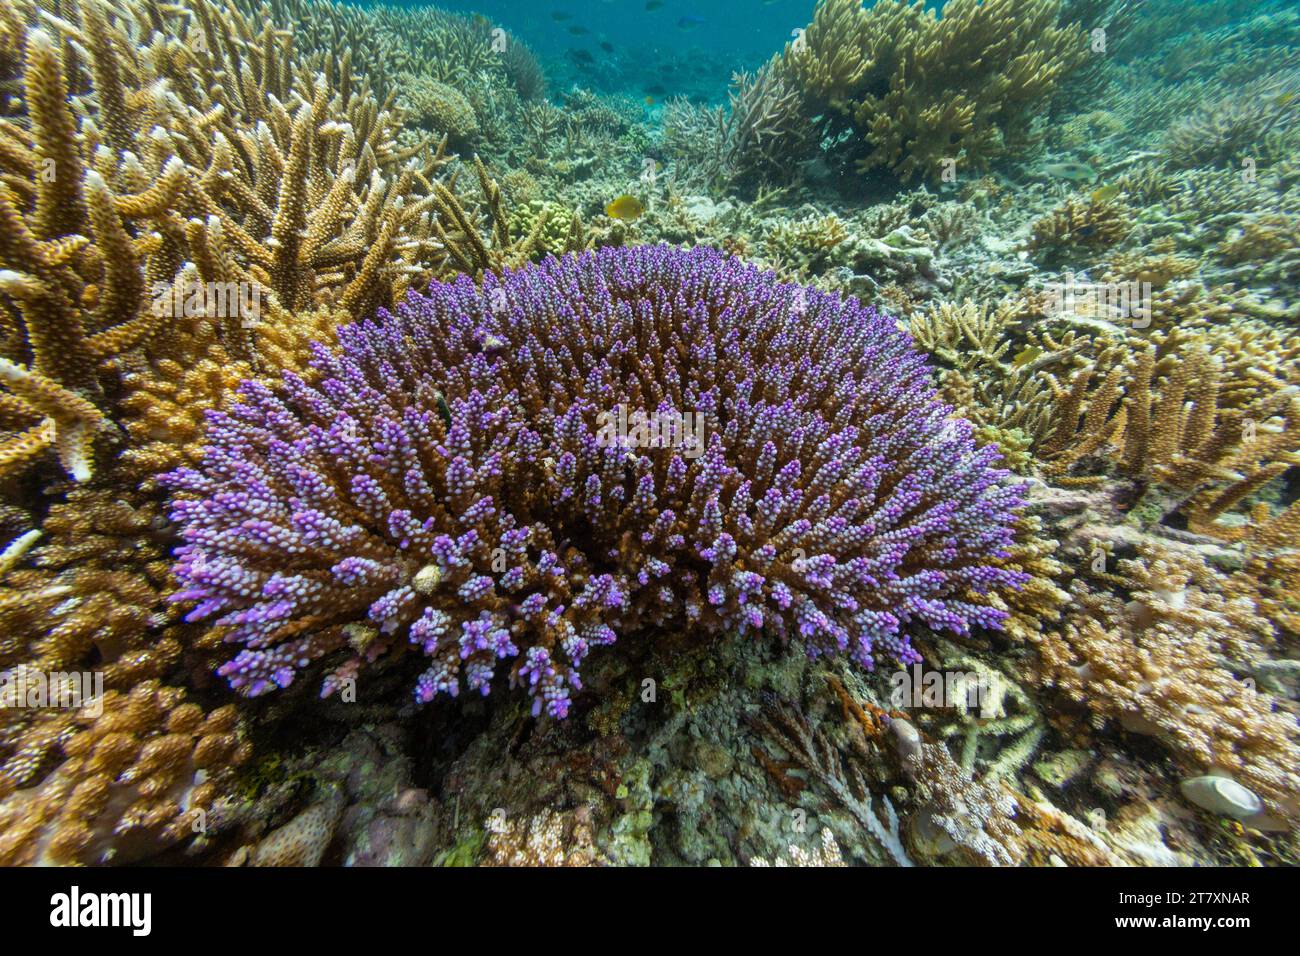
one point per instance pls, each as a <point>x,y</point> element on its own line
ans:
<point>649,101</point>
<point>1285,98</point>
<point>1106,193</point>
<point>1026,356</point>
<point>625,207</point>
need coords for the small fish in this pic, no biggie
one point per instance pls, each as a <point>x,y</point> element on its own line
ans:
<point>559,16</point>
<point>1076,172</point>
<point>649,101</point>
<point>656,90</point>
<point>1106,193</point>
<point>1025,356</point>
<point>689,22</point>
<point>581,56</point>
<point>1285,98</point>
<point>607,46</point>
<point>625,207</point>
<point>654,4</point>
<point>577,30</point>
<point>443,409</point>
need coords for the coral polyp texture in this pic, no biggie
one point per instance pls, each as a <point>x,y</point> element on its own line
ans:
<point>456,483</point>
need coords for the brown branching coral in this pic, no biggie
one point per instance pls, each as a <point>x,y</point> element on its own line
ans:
<point>965,335</point>
<point>1266,248</point>
<point>142,771</point>
<point>918,88</point>
<point>150,200</point>
<point>142,211</point>
<point>1235,128</point>
<point>1040,601</point>
<point>765,129</point>
<point>757,143</point>
<point>959,811</point>
<point>1006,392</point>
<point>1160,660</point>
<point>807,245</point>
<point>1168,416</point>
<point>94,602</point>
<point>382,42</point>
<point>1077,225</point>
<point>463,245</point>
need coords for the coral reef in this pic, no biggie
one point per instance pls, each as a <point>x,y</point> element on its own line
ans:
<point>331,365</point>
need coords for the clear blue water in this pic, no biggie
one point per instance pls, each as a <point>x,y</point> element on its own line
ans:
<point>682,47</point>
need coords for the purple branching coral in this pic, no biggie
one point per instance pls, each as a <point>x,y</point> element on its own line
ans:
<point>452,484</point>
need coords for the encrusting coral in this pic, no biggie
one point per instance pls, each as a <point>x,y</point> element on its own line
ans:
<point>457,481</point>
<point>1163,664</point>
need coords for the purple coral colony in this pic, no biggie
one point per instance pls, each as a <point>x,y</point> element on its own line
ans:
<point>443,486</point>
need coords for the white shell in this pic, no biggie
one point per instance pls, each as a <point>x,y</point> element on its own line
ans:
<point>1223,796</point>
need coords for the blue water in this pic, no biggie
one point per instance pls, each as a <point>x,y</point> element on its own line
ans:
<point>746,29</point>
<point>682,47</point>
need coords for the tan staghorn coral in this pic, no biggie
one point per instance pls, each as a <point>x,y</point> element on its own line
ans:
<point>383,42</point>
<point>265,188</point>
<point>965,335</point>
<point>1167,415</point>
<point>466,246</point>
<point>764,129</point>
<point>1234,128</point>
<point>138,204</point>
<point>918,88</point>
<point>1006,392</point>
<point>1079,225</point>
